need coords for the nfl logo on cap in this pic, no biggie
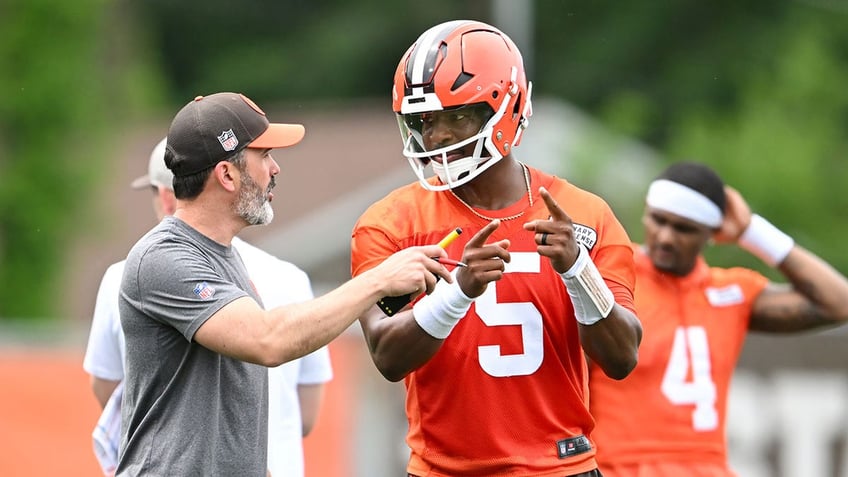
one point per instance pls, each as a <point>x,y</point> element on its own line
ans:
<point>228,140</point>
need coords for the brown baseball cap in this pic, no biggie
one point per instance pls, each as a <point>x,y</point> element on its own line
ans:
<point>211,128</point>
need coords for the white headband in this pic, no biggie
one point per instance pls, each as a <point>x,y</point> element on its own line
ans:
<point>680,200</point>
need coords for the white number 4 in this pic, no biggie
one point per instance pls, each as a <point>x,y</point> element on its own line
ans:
<point>691,351</point>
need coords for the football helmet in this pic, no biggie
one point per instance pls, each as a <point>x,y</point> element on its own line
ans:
<point>461,67</point>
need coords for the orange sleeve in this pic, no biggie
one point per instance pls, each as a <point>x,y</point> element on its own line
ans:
<point>369,247</point>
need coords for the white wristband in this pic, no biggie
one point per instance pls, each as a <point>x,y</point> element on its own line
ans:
<point>438,312</point>
<point>766,241</point>
<point>591,297</point>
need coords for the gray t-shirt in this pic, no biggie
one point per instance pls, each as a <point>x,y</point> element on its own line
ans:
<point>187,410</point>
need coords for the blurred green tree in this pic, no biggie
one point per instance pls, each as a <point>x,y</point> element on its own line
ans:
<point>67,71</point>
<point>753,88</point>
<point>290,50</point>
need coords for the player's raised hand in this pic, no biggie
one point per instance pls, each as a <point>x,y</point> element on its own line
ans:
<point>485,261</point>
<point>555,236</point>
<point>412,271</point>
<point>737,217</point>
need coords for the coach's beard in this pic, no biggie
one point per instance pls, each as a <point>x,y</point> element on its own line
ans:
<point>252,203</point>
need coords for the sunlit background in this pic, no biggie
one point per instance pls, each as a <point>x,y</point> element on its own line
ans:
<point>756,89</point>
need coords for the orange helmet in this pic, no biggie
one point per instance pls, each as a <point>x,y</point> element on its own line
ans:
<point>458,64</point>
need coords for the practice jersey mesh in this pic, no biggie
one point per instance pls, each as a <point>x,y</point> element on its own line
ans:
<point>511,379</point>
<point>672,407</point>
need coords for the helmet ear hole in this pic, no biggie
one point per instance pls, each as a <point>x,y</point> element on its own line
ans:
<point>495,94</point>
<point>516,108</point>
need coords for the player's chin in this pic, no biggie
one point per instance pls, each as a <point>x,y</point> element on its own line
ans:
<point>664,260</point>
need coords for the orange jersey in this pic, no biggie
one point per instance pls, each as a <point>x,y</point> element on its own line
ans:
<point>508,388</point>
<point>672,407</point>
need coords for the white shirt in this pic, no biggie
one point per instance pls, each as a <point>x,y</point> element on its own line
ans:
<point>278,283</point>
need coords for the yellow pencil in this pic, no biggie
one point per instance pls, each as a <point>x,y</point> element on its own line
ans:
<point>450,237</point>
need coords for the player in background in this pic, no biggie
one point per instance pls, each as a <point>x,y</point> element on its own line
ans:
<point>667,419</point>
<point>295,388</point>
<point>494,363</point>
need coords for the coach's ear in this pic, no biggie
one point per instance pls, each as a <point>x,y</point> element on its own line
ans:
<point>226,174</point>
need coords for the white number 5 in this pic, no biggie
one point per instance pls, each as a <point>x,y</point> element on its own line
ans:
<point>691,350</point>
<point>526,315</point>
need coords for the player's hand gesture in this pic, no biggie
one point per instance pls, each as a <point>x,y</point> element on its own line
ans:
<point>485,262</point>
<point>737,217</point>
<point>555,236</point>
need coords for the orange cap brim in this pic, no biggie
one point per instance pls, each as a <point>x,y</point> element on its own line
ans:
<point>279,135</point>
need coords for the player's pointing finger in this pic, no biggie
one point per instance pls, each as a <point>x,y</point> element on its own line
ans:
<point>556,212</point>
<point>479,239</point>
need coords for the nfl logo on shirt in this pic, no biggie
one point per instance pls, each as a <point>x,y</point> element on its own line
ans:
<point>228,140</point>
<point>203,290</point>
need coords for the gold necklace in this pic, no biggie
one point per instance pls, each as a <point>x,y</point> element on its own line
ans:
<point>511,217</point>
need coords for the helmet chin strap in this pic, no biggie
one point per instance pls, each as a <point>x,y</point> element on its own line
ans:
<point>461,171</point>
<point>458,169</point>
